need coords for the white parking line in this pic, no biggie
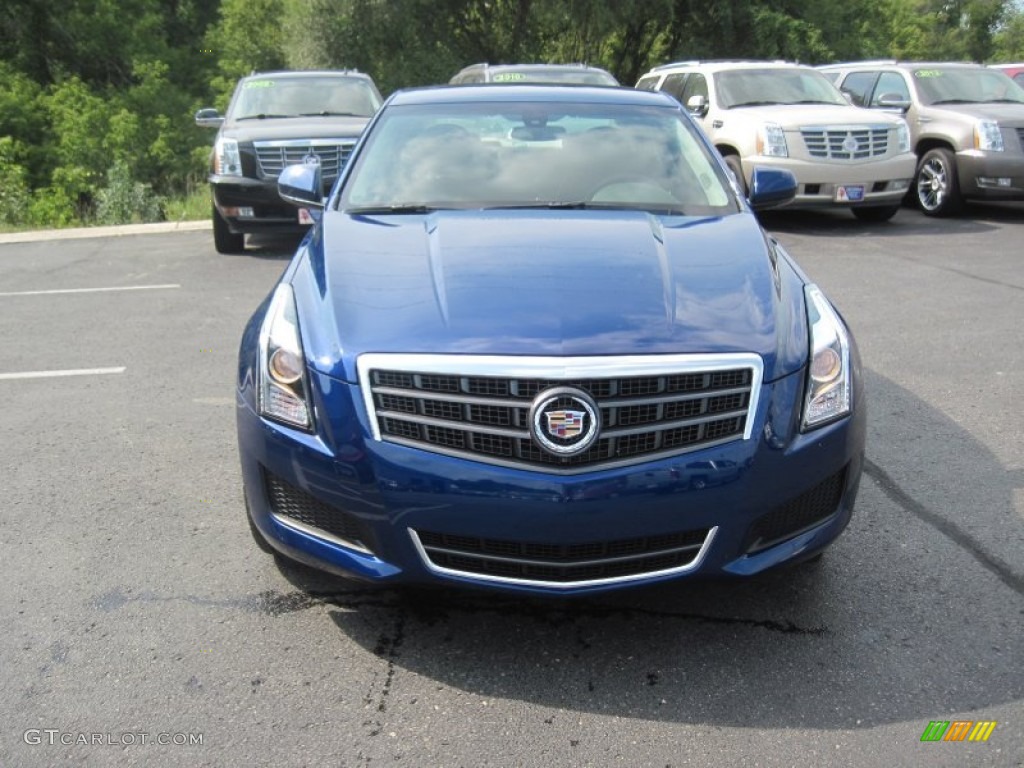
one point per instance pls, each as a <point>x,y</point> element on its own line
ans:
<point>57,374</point>
<point>92,290</point>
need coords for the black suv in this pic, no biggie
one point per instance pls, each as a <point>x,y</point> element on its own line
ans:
<point>277,119</point>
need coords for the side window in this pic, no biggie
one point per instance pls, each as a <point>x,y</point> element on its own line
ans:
<point>857,86</point>
<point>697,85</point>
<point>1019,78</point>
<point>648,83</point>
<point>674,84</point>
<point>890,83</point>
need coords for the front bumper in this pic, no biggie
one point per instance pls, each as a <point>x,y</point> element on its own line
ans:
<point>342,502</point>
<point>991,175</point>
<point>823,184</point>
<point>253,205</point>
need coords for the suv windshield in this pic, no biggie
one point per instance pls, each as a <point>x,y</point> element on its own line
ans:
<point>758,87</point>
<point>536,155</point>
<point>945,85</point>
<point>267,97</point>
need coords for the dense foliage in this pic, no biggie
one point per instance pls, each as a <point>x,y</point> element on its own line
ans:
<point>97,96</point>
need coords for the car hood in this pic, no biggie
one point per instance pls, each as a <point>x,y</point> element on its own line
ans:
<point>295,128</point>
<point>796,116</point>
<point>1012,114</point>
<point>561,283</point>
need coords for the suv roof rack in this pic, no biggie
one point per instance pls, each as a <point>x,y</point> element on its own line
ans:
<point>696,62</point>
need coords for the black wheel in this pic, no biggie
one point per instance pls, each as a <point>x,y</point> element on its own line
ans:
<point>876,212</point>
<point>224,240</point>
<point>936,184</point>
<point>733,161</point>
<point>258,537</point>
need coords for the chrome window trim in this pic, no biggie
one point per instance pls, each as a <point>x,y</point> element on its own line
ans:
<point>558,368</point>
<point>693,565</point>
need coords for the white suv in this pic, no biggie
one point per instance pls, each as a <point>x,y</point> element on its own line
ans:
<point>788,116</point>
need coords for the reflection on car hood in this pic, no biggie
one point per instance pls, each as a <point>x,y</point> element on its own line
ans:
<point>547,283</point>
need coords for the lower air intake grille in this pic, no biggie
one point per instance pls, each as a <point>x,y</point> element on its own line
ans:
<point>562,564</point>
<point>291,504</point>
<point>798,515</point>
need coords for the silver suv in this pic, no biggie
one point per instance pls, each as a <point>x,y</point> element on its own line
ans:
<point>966,125</point>
<point>788,116</point>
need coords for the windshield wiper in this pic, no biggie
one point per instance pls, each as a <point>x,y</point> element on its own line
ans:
<point>380,209</point>
<point>554,205</point>
<point>328,113</point>
<point>754,104</point>
<point>820,101</point>
<point>953,101</point>
<point>261,116</point>
<point>1001,101</point>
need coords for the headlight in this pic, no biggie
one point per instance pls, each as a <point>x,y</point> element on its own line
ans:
<point>771,140</point>
<point>828,393</point>
<point>284,390</point>
<point>226,159</point>
<point>988,136</point>
<point>903,136</point>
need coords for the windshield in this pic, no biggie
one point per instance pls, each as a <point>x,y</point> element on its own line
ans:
<point>304,96</point>
<point>967,85</point>
<point>759,87</point>
<point>562,75</point>
<point>535,155</point>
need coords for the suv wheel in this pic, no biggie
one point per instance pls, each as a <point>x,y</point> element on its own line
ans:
<point>876,212</point>
<point>733,161</point>
<point>224,240</point>
<point>937,185</point>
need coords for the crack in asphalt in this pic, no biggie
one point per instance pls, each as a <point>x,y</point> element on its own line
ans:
<point>947,528</point>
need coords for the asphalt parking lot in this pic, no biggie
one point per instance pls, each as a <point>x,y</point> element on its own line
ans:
<point>138,611</point>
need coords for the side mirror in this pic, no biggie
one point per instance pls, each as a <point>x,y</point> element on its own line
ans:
<point>209,118</point>
<point>892,101</point>
<point>301,185</point>
<point>771,188</point>
<point>697,105</point>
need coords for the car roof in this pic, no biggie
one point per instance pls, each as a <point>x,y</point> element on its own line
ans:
<point>902,64</point>
<point>492,92</point>
<point>307,73</point>
<point>718,65</point>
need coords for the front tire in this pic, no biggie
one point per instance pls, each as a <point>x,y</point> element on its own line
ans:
<point>733,161</point>
<point>936,184</point>
<point>224,240</point>
<point>876,213</point>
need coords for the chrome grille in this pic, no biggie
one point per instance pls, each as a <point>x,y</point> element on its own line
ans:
<point>562,565</point>
<point>833,143</point>
<point>273,156</point>
<point>448,405</point>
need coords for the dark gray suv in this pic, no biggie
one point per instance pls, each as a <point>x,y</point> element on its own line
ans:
<point>966,126</point>
<point>277,119</point>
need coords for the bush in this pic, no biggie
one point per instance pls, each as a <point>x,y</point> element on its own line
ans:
<point>14,192</point>
<point>125,200</point>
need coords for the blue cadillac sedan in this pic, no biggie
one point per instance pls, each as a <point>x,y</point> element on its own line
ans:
<point>537,342</point>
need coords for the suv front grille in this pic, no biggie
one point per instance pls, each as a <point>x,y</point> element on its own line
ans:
<point>273,156</point>
<point>679,406</point>
<point>846,143</point>
<point>561,564</point>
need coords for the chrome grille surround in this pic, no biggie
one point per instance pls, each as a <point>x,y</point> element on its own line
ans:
<point>273,156</point>
<point>473,558</point>
<point>476,407</point>
<point>826,142</point>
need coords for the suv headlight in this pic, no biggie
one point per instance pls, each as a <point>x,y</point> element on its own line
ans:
<point>226,159</point>
<point>771,140</point>
<point>988,136</point>
<point>828,393</point>
<point>903,136</point>
<point>283,387</point>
